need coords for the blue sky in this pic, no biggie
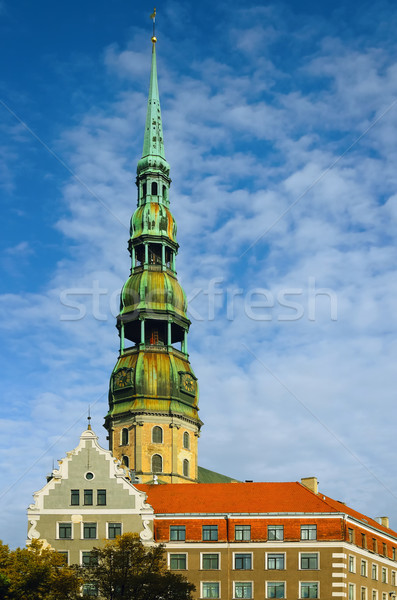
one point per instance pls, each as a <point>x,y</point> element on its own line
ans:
<point>280,128</point>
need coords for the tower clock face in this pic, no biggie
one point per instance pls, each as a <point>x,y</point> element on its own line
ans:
<point>122,379</point>
<point>188,384</point>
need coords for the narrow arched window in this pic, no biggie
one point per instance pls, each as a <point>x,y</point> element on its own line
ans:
<point>154,188</point>
<point>186,467</point>
<point>157,435</point>
<point>186,440</point>
<point>144,190</point>
<point>157,463</point>
<point>126,461</point>
<point>124,436</point>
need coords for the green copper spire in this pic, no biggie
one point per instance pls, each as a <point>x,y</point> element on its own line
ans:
<point>153,154</point>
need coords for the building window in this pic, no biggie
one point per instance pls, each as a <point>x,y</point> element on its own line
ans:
<point>363,593</point>
<point>384,575</point>
<point>65,555</point>
<point>309,560</point>
<point>352,591</point>
<point>65,531</point>
<point>243,561</point>
<point>308,532</point>
<point>242,533</point>
<point>210,561</point>
<point>384,596</point>
<point>384,549</point>
<point>74,497</point>
<point>374,545</point>
<point>242,589</point>
<point>210,589</point>
<point>90,589</point>
<point>88,559</point>
<point>157,435</point>
<point>124,437</point>
<point>210,533</point>
<point>177,533</point>
<point>126,461</point>
<point>393,553</point>
<point>114,529</point>
<point>101,498</point>
<point>157,463</point>
<point>351,535</point>
<point>374,595</point>
<point>275,589</point>
<point>88,497</point>
<point>352,564</point>
<point>178,562</point>
<point>364,568</point>
<point>186,440</point>
<point>276,561</point>
<point>309,589</point>
<point>186,468</point>
<point>89,531</point>
<point>374,571</point>
<point>363,540</point>
<point>275,532</point>
<point>154,188</point>
<point>393,578</point>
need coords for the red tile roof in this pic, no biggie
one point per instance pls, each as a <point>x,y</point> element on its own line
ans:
<point>257,497</point>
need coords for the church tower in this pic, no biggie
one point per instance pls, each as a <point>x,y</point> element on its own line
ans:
<point>153,421</point>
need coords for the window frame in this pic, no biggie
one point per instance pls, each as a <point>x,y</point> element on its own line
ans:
<point>90,562</point>
<point>156,429</point>
<point>270,555</point>
<point>309,554</point>
<point>243,583</point>
<point>108,526</point>
<point>385,575</point>
<point>276,528</point>
<point>364,568</point>
<point>374,569</point>
<point>309,583</point>
<point>156,456</point>
<point>309,529</point>
<point>64,524</point>
<point>217,583</point>
<point>171,556</point>
<point>186,440</point>
<point>203,555</point>
<point>243,556</point>
<point>74,494</point>
<point>351,561</point>
<point>351,588</point>
<point>125,437</point>
<point>178,530</point>
<point>210,529</point>
<point>88,494</point>
<point>243,530</point>
<point>271,583</point>
<point>90,525</point>
<point>101,493</point>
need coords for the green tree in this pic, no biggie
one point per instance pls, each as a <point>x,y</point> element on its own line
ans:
<point>36,573</point>
<point>125,569</point>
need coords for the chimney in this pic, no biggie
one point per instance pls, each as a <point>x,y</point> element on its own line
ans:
<point>311,483</point>
<point>384,521</point>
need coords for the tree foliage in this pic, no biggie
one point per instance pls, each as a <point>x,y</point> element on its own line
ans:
<point>125,569</point>
<point>36,573</point>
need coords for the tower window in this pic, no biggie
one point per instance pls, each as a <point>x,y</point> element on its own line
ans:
<point>157,463</point>
<point>126,461</point>
<point>157,435</point>
<point>155,254</point>
<point>186,440</point>
<point>144,189</point>
<point>154,188</point>
<point>124,436</point>
<point>186,468</point>
<point>164,193</point>
<point>154,338</point>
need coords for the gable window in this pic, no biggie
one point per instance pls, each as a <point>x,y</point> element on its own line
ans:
<point>210,561</point>
<point>242,589</point>
<point>157,463</point>
<point>177,533</point>
<point>210,533</point>
<point>186,468</point>
<point>276,561</point>
<point>101,498</point>
<point>210,589</point>
<point>308,532</point>
<point>88,497</point>
<point>114,529</point>
<point>75,497</point>
<point>65,531</point>
<point>124,437</point>
<point>186,440</point>
<point>157,435</point>
<point>243,561</point>
<point>177,562</point>
<point>309,589</point>
<point>275,532</point>
<point>242,533</point>
<point>89,531</point>
<point>275,589</point>
<point>309,560</point>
